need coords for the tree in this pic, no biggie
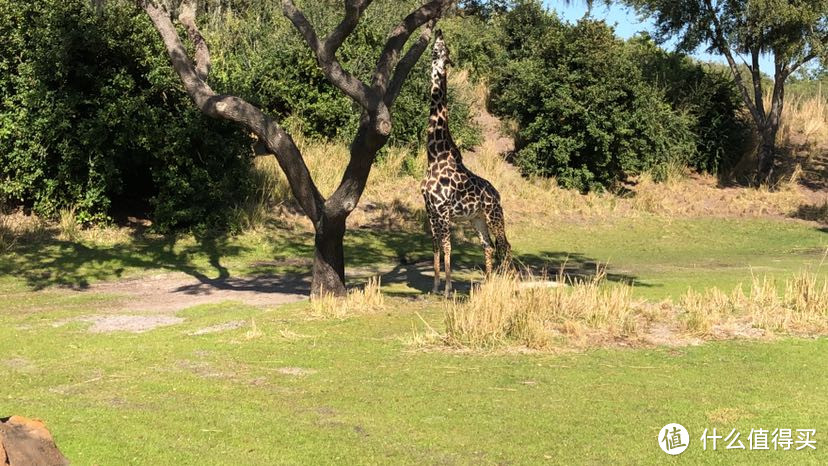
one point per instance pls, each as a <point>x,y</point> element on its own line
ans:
<point>484,9</point>
<point>794,32</point>
<point>375,99</point>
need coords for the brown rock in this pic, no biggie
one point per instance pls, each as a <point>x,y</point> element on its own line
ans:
<point>25,442</point>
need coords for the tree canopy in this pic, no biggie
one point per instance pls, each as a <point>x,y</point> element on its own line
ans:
<point>793,32</point>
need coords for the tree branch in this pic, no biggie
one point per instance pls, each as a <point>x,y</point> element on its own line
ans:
<point>756,77</point>
<point>326,54</point>
<point>240,111</point>
<point>804,60</point>
<point>407,62</point>
<point>398,38</point>
<point>202,52</point>
<point>353,11</point>
<point>720,41</point>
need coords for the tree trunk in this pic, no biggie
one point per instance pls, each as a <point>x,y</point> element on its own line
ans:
<point>768,131</point>
<point>767,154</point>
<point>329,258</point>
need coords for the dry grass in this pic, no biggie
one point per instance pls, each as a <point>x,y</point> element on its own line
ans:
<point>359,301</point>
<point>392,199</point>
<point>389,195</point>
<point>68,225</point>
<point>817,212</point>
<point>803,119</point>
<point>509,312</point>
<point>16,225</point>
<point>800,308</point>
<point>7,237</point>
<point>700,195</point>
<point>503,312</point>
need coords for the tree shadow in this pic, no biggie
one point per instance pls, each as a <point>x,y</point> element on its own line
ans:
<point>467,267</point>
<point>50,261</point>
<point>812,212</point>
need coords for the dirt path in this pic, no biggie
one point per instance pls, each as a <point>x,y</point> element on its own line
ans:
<point>145,303</point>
<point>175,291</point>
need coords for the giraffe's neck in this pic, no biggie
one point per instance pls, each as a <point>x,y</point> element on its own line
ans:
<point>440,145</point>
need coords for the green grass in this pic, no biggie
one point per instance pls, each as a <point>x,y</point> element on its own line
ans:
<point>164,397</point>
<point>364,395</point>
<point>665,258</point>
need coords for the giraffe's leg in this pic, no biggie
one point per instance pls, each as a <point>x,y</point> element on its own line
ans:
<point>482,228</point>
<point>435,224</point>
<point>446,243</point>
<point>435,243</point>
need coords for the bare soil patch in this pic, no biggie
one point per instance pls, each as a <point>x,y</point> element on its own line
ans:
<point>296,371</point>
<point>223,327</point>
<point>176,291</point>
<point>123,323</point>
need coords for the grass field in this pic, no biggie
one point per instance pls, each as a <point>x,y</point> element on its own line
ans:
<point>281,387</point>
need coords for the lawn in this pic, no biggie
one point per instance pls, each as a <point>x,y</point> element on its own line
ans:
<point>285,388</point>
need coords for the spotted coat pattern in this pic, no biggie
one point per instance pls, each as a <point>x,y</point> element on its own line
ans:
<point>450,190</point>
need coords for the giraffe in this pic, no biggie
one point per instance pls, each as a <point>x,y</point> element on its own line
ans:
<point>451,191</point>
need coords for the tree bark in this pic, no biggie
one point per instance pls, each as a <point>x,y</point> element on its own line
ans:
<point>329,257</point>
<point>329,254</point>
<point>769,128</point>
<point>768,131</point>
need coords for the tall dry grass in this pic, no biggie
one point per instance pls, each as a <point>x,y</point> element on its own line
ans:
<point>358,301</point>
<point>800,308</point>
<point>804,119</point>
<point>392,199</point>
<point>388,182</point>
<point>504,311</point>
<point>7,237</point>
<point>508,311</point>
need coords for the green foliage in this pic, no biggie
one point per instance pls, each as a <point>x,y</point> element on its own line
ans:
<point>789,30</point>
<point>93,118</point>
<point>585,111</point>
<point>258,55</point>
<point>476,44</point>
<point>706,94</point>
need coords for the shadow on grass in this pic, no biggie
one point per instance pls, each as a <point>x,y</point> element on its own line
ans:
<point>812,212</point>
<point>543,266</point>
<point>55,262</point>
<point>285,268</point>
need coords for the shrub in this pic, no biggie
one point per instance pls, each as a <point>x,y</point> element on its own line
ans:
<point>708,97</point>
<point>586,114</point>
<point>92,118</point>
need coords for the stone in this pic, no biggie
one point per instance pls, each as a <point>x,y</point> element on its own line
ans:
<point>25,442</point>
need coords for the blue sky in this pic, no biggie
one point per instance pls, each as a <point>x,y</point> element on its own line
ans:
<point>627,24</point>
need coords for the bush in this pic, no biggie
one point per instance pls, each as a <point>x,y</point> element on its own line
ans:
<point>585,112</point>
<point>707,95</point>
<point>593,110</point>
<point>93,118</point>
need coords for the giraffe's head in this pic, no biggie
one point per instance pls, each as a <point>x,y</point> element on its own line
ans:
<point>440,54</point>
